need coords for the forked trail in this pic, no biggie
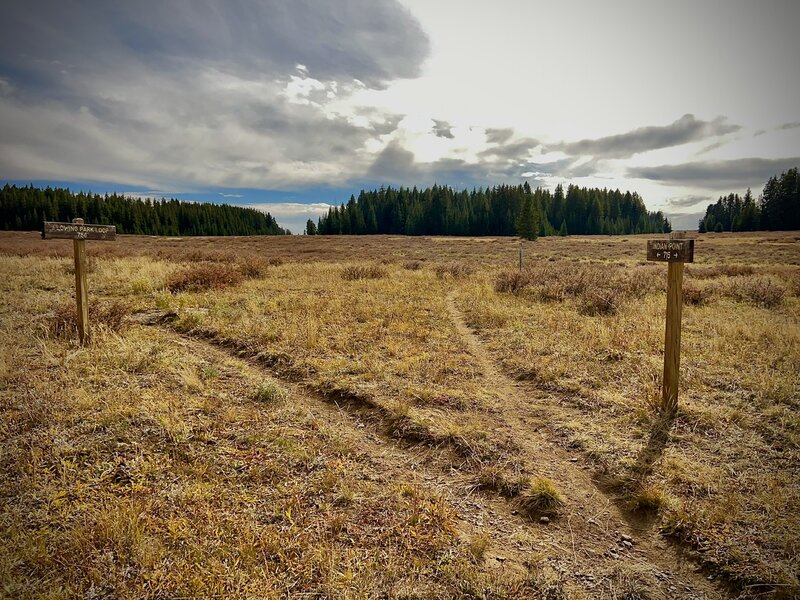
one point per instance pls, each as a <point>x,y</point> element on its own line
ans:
<point>583,548</point>
<point>591,527</point>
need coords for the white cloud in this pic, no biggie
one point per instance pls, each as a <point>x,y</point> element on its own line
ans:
<point>293,215</point>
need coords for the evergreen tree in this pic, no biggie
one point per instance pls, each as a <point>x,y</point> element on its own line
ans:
<point>27,207</point>
<point>527,221</point>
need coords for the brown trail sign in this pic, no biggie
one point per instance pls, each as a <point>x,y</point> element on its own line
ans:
<point>674,251</point>
<point>79,232</point>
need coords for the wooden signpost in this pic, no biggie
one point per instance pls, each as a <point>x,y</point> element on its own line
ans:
<point>79,232</point>
<point>675,251</point>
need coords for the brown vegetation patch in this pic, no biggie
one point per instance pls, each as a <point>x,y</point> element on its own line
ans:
<point>758,291</point>
<point>456,270</point>
<point>599,289</point>
<point>112,315</point>
<point>709,272</point>
<point>357,272</point>
<point>412,265</point>
<point>204,276</point>
<point>695,294</point>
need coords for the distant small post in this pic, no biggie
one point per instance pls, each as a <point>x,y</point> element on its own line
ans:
<point>78,232</point>
<point>675,251</point>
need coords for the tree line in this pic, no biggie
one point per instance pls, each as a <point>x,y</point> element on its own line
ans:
<point>776,209</point>
<point>26,208</point>
<point>500,210</point>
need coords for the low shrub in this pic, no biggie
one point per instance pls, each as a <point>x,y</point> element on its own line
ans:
<point>412,265</point>
<point>598,288</point>
<point>356,272</point>
<point>759,291</point>
<point>204,276</point>
<point>253,267</point>
<point>711,271</point>
<point>511,281</point>
<point>599,301</point>
<point>64,321</point>
<point>695,295</point>
<point>455,270</point>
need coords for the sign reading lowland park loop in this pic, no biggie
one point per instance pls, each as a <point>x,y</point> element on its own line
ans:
<point>670,250</point>
<point>675,251</point>
<point>79,232</point>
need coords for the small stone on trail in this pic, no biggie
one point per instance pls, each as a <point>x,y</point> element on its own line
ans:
<point>544,520</point>
<point>626,538</point>
<point>500,558</point>
<point>574,459</point>
<point>627,544</point>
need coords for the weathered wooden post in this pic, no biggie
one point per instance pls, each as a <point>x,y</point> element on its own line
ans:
<point>79,232</point>
<point>675,251</point>
<point>521,250</point>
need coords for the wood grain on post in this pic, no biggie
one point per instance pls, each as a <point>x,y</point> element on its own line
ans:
<point>672,338</point>
<point>79,246</point>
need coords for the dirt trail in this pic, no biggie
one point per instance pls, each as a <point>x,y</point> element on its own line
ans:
<point>592,524</point>
<point>583,548</point>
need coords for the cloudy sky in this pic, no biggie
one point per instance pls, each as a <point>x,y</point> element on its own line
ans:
<point>292,105</point>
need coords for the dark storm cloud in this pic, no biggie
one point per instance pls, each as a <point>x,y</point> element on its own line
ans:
<point>396,165</point>
<point>499,136</point>
<point>726,174</point>
<point>196,91</point>
<point>442,129</point>
<point>686,201</point>
<point>684,130</point>
<point>373,41</point>
<point>516,150</point>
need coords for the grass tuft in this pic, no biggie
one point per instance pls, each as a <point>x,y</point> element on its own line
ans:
<point>270,393</point>
<point>494,478</point>
<point>540,498</point>
<point>477,547</point>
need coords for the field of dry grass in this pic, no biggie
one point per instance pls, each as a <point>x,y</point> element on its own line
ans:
<point>410,417</point>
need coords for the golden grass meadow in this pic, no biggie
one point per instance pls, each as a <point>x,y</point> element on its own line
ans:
<point>360,417</point>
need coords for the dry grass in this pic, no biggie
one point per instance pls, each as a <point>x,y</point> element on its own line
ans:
<point>594,289</point>
<point>110,315</point>
<point>540,497</point>
<point>135,466</point>
<point>140,467</point>
<point>455,270</point>
<point>725,478</point>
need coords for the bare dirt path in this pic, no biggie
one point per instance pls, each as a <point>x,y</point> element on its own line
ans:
<point>584,549</point>
<point>592,525</point>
